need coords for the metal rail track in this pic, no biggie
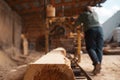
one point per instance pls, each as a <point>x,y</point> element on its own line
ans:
<point>79,68</point>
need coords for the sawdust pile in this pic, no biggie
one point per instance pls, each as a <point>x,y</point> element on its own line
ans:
<point>5,64</point>
<point>11,59</point>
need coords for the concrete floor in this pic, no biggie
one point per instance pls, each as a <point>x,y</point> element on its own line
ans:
<point>110,67</point>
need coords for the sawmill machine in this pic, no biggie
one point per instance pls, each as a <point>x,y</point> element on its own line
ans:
<point>60,29</point>
<point>61,32</point>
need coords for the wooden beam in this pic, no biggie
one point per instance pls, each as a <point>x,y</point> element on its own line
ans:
<point>32,24</point>
<point>35,29</point>
<point>27,11</point>
<point>30,14</point>
<point>41,8</point>
<point>70,11</point>
<point>35,21</point>
<point>53,66</point>
<point>34,16</point>
<point>12,3</point>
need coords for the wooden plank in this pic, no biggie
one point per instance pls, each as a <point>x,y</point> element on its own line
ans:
<point>34,22</point>
<point>34,29</point>
<point>53,66</point>
<point>111,51</point>
<point>34,15</point>
<point>12,3</point>
<point>30,14</point>
<point>27,11</point>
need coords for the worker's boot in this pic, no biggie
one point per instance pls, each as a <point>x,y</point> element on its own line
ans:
<point>97,69</point>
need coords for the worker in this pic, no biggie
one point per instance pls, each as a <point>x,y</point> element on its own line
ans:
<point>93,36</point>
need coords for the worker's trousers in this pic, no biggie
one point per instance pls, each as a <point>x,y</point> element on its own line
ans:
<point>94,44</point>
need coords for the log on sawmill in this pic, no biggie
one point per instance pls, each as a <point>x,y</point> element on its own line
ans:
<point>52,66</point>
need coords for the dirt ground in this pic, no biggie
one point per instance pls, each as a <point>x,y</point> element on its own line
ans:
<point>110,67</point>
<point>10,62</point>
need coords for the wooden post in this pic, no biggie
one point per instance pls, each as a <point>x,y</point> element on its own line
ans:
<point>47,36</point>
<point>50,13</point>
<point>79,44</point>
<point>24,44</point>
<point>52,66</point>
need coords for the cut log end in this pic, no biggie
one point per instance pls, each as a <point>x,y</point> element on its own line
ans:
<point>52,66</point>
<point>49,72</point>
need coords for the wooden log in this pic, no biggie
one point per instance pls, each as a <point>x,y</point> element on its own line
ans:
<point>24,44</point>
<point>53,66</point>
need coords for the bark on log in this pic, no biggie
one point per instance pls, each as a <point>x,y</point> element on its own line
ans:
<point>53,66</point>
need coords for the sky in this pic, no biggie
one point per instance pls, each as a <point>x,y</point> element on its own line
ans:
<point>109,8</point>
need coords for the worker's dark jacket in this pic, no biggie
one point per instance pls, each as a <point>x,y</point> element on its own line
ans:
<point>89,20</point>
